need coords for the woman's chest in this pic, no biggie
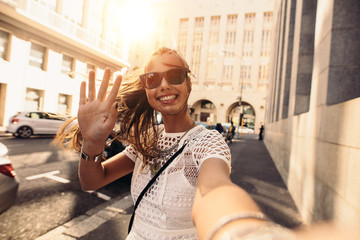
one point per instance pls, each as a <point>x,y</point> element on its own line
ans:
<point>175,186</point>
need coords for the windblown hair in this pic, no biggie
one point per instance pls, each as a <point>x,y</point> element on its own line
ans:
<point>136,118</point>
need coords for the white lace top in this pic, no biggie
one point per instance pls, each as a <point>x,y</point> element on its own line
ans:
<point>165,210</point>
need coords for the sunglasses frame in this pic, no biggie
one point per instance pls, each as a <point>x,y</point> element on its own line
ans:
<point>163,74</point>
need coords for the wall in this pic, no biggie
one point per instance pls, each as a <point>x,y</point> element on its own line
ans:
<point>314,143</point>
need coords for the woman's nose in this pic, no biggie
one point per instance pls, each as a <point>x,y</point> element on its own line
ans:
<point>164,83</point>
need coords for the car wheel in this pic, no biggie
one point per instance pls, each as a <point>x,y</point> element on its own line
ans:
<point>24,132</point>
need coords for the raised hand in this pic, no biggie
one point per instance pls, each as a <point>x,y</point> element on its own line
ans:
<point>97,114</point>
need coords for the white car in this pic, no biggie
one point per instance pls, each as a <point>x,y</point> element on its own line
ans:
<point>25,124</point>
<point>246,130</point>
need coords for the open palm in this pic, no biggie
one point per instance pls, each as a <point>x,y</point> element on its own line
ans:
<point>97,114</point>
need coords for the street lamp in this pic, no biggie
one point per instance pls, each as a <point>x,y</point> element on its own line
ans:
<point>241,114</point>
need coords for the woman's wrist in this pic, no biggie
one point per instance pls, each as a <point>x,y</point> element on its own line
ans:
<point>232,227</point>
<point>92,149</point>
<point>233,221</point>
<point>264,231</point>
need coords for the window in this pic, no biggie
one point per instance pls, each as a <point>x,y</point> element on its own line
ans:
<point>211,67</point>
<point>34,99</point>
<point>213,49</point>
<point>230,35</point>
<point>248,35</point>
<point>49,4</point>
<point>230,38</point>
<point>266,35</point>
<point>37,56</point>
<point>4,44</point>
<point>89,68</point>
<point>249,18</point>
<point>228,72</point>
<point>182,37</point>
<point>197,44</point>
<point>67,66</point>
<point>215,21</point>
<point>231,19</point>
<point>207,105</point>
<point>263,72</point>
<point>199,22</point>
<point>64,104</point>
<point>245,77</point>
<point>73,10</point>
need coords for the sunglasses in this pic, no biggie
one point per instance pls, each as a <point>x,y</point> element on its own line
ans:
<point>174,76</point>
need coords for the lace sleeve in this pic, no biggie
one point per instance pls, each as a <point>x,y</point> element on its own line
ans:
<point>211,145</point>
<point>130,152</point>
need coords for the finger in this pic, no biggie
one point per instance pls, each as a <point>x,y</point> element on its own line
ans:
<point>114,90</point>
<point>82,99</point>
<point>104,85</point>
<point>113,115</point>
<point>92,91</point>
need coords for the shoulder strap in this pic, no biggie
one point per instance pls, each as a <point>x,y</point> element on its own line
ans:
<point>151,182</point>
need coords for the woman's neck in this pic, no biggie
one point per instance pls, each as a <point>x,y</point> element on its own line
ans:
<point>175,124</point>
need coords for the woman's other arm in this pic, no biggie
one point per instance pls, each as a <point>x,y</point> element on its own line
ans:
<point>216,196</point>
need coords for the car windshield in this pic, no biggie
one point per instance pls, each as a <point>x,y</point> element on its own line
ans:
<point>55,116</point>
<point>16,114</point>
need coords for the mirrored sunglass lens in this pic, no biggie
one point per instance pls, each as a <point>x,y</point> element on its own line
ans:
<point>152,80</point>
<point>175,76</point>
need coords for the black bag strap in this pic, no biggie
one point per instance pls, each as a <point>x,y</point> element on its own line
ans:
<point>150,183</point>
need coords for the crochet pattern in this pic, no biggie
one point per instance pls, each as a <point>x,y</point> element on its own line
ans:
<point>165,210</point>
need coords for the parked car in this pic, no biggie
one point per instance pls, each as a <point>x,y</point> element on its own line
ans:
<point>246,130</point>
<point>206,125</point>
<point>9,183</point>
<point>25,124</point>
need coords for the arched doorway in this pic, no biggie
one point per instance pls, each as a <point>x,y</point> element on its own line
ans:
<point>247,113</point>
<point>204,111</point>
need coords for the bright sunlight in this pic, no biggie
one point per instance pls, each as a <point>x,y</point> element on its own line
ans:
<point>137,20</point>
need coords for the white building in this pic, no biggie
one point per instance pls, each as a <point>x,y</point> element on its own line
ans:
<point>48,47</point>
<point>227,44</point>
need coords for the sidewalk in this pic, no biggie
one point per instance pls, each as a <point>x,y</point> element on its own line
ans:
<point>252,169</point>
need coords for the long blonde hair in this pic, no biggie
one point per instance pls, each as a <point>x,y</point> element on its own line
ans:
<point>138,123</point>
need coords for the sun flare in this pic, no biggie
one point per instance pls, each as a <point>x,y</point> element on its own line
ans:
<point>137,20</point>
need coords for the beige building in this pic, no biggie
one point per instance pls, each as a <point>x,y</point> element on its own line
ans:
<point>227,44</point>
<point>48,47</point>
<point>313,110</point>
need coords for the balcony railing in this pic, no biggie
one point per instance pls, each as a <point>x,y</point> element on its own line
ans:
<point>39,13</point>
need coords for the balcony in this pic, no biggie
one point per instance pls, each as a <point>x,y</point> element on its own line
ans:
<point>54,21</point>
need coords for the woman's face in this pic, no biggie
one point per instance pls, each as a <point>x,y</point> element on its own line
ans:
<point>167,98</point>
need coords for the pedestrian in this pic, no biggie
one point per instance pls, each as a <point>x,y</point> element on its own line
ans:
<point>261,131</point>
<point>193,198</point>
<point>219,128</point>
<point>231,132</point>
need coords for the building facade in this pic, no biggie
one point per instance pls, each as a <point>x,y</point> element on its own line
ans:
<point>312,113</point>
<point>48,47</point>
<point>227,45</point>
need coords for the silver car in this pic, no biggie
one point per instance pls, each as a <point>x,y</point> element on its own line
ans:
<point>9,184</point>
<point>25,124</point>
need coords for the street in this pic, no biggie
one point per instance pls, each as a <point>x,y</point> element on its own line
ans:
<point>50,195</point>
<point>49,192</point>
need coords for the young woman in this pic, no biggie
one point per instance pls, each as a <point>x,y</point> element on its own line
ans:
<point>194,197</point>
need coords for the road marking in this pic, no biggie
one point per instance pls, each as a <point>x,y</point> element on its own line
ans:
<point>100,195</point>
<point>49,175</point>
<point>15,145</point>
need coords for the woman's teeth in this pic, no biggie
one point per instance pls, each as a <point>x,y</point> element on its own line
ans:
<point>170,97</point>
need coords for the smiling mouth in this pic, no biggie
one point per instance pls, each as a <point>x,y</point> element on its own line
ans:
<point>167,98</point>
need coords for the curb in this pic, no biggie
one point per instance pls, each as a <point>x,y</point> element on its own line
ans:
<point>91,220</point>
